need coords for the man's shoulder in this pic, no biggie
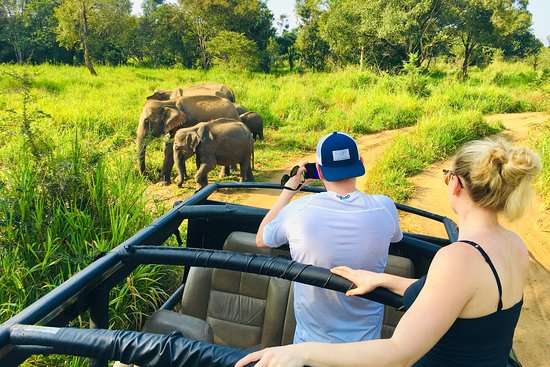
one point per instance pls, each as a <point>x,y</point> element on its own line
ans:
<point>378,199</point>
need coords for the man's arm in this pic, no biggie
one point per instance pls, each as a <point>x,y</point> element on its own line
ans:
<point>283,200</point>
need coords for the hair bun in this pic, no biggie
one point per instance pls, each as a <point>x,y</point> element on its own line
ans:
<point>522,164</point>
<point>497,157</point>
<point>497,175</point>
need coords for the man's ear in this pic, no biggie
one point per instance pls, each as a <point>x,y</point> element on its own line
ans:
<point>319,172</point>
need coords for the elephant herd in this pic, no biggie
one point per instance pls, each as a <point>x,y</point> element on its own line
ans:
<point>201,120</point>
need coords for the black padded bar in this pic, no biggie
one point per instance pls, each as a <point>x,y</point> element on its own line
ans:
<point>253,263</point>
<point>143,349</point>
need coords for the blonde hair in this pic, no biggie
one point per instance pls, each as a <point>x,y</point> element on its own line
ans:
<point>497,175</point>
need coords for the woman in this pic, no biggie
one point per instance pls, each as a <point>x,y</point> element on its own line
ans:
<point>464,312</point>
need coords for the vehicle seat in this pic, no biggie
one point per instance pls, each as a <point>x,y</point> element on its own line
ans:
<point>403,267</point>
<point>243,310</point>
<point>396,265</point>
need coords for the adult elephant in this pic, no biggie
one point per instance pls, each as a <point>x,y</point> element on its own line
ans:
<point>166,117</point>
<point>222,142</point>
<point>205,89</point>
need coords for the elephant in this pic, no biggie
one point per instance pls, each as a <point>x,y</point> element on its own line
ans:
<point>255,124</point>
<point>223,141</point>
<point>166,117</point>
<point>205,89</point>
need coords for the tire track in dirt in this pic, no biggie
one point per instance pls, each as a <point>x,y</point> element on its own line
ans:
<point>531,341</point>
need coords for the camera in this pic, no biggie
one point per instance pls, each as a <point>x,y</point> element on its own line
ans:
<point>310,173</point>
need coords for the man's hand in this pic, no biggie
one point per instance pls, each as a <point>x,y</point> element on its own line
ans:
<point>295,181</point>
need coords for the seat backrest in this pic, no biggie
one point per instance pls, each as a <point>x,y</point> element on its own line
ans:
<point>244,310</point>
<point>396,265</point>
<point>402,267</point>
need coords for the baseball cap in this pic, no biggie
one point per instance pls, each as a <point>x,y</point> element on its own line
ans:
<point>338,156</point>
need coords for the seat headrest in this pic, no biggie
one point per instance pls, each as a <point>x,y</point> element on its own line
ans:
<point>244,242</point>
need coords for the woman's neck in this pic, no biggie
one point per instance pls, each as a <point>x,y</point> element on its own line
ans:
<point>475,220</point>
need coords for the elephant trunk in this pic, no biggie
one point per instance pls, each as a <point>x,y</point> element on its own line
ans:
<point>141,145</point>
<point>179,159</point>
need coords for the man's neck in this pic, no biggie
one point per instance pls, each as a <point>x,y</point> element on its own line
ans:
<point>343,187</point>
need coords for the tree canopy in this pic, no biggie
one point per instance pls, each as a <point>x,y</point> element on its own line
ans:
<point>381,34</point>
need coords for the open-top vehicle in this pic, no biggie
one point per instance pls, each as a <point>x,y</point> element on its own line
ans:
<point>234,297</point>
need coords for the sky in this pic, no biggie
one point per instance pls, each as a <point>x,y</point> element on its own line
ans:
<point>539,8</point>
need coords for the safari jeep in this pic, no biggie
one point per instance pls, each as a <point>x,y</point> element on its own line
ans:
<point>234,297</point>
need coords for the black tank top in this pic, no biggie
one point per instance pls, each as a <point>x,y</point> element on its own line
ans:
<point>480,342</point>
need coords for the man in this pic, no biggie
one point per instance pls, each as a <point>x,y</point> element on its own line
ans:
<point>341,226</point>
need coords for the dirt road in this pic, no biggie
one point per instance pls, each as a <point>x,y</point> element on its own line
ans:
<point>532,338</point>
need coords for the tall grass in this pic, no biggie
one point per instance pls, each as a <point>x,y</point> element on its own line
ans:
<point>542,144</point>
<point>80,195</point>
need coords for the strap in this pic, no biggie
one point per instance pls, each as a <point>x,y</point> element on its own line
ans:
<point>493,269</point>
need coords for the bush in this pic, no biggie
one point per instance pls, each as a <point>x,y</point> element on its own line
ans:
<point>234,50</point>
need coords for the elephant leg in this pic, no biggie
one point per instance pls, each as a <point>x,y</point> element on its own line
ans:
<point>225,171</point>
<point>201,177</point>
<point>168,163</point>
<point>261,135</point>
<point>246,171</point>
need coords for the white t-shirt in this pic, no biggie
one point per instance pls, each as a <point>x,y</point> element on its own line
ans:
<point>329,230</point>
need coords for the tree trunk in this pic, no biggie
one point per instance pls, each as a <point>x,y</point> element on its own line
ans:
<point>84,40</point>
<point>467,53</point>
<point>362,57</point>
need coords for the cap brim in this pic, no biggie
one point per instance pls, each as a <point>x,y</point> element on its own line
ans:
<point>341,173</point>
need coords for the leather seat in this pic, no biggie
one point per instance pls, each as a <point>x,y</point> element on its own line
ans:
<point>241,310</point>
<point>247,310</point>
<point>403,267</point>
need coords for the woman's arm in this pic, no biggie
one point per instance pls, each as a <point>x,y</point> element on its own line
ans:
<point>366,281</point>
<point>450,284</point>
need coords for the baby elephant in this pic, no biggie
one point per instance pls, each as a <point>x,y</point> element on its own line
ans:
<point>255,124</point>
<point>223,142</point>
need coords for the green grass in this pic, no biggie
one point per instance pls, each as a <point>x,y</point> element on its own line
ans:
<point>80,195</point>
<point>542,145</point>
<point>434,138</point>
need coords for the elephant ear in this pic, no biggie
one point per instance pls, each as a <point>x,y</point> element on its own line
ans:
<point>158,94</point>
<point>176,93</point>
<point>174,118</point>
<point>203,135</point>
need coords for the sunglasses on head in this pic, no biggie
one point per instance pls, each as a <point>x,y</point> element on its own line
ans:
<point>447,174</point>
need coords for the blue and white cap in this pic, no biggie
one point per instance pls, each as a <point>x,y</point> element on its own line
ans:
<point>338,156</point>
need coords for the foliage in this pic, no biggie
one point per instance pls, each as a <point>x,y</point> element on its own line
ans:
<point>233,50</point>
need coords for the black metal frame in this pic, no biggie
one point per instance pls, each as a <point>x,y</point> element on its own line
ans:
<point>89,289</point>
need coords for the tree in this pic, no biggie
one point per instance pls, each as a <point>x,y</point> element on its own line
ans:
<point>286,46</point>
<point>92,25</point>
<point>157,41</point>
<point>13,29</point>
<point>252,18</point>
<point>313,49</point>
<point>478,23</point>
<point>234,50</point>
